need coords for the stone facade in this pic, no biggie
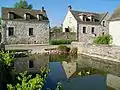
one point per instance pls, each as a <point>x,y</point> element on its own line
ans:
<point>24,26</point>
<point>21,32</point>
<point>89,36</point>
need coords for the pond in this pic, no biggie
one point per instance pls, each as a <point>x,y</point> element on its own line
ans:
<point>74,72</point>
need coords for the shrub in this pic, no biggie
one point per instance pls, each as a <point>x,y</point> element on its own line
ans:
<point>29,82</point>
<point>58,42</point>
<point>103,39</point>
<point>64,48</point>
<point>74,50</point>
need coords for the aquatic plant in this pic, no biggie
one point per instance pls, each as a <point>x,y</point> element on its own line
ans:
<point>63,49</point>
<point>74,51</point>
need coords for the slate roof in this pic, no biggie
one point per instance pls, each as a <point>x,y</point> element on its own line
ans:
<point>99,17</point>
<point>19,13</point>
<point>115,15</point>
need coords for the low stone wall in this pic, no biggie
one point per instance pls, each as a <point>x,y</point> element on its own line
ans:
<point>100,50</point>
<point>63,35</point>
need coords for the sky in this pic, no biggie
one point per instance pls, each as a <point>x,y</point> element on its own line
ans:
<point>57,9</point>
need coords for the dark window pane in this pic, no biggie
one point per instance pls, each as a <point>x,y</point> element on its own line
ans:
<point>84,29</point>
<point>103,23</point>
<point>93,29</point>
<point>67,30</point>
<point>11,31</point>
<point>30,31</point>
<point>30,63</point>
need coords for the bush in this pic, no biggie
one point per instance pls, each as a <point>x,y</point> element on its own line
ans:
<point>58,42</point>
<point>74,51</point>
<point>104,39</point>
<point>63,48</point>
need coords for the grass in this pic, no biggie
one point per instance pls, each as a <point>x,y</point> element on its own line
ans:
<point>59,42</point>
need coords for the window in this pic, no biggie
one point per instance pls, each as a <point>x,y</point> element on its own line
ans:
<point>93,29</point>
<point>10,15</point>
<point>83,18</point>
<point>103,23</point>
<point>30,31</point>
<point>11,31</point>
<point>66,29</point>
<point>87,19</point>
<point>40,17</point>
<point>27,16</point>
<point>93,19</point>
<point>84,29</point>
<point>103,33</point>
<point>31,64</point>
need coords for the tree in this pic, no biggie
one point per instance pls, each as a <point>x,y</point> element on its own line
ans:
<point>0,20</point>
<point>23,4</point>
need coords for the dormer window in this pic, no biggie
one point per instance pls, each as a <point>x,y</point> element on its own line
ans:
<point>11,15</point>
<point>26,16</point>
<point>40,17</point>
<point>82,16</point>
<point>89,18</point>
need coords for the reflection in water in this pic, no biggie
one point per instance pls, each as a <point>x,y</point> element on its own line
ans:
<point>113,81</point>
<point>82,72</point>
<point>32,64</point>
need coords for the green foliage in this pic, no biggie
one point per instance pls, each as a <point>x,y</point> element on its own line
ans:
<point>58,42</point>
<point>56,29</point>
<point>103,39</point>
<point>23,4</point>
<point>59,85</point>
<point>63,48</point>
<point>74,51</point>
<point>6,61</point>
<point>6,58</point>
<point>27,82</point>
<point>0,20</point>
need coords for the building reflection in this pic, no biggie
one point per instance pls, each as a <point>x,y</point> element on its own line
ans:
<point>113,81</point>
<point>31,64</point>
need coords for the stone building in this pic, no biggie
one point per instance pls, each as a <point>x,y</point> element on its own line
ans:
<point>24,26</point>
<point>114,27</point>
<point>86,24</point>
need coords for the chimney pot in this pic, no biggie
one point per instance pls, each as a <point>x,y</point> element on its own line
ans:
<point>69,7</point>
<point>42,10</point>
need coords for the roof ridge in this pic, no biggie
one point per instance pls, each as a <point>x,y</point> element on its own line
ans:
<point>89,12</point>
<point>116,14</point>
<point>20,8</point>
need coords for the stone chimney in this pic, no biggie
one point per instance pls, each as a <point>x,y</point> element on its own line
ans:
<point>69,7</point>
<point>42,10</point>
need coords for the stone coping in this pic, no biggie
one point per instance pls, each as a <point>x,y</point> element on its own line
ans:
<point>101,57</point>
<point>27,45</point>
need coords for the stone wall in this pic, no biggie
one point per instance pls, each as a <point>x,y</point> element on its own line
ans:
<point>100,50</point>
<point>21,32</point>
<point>63,35</point>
